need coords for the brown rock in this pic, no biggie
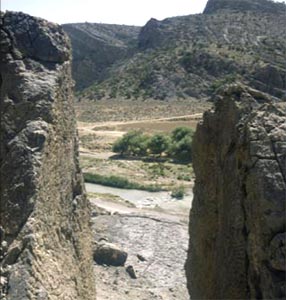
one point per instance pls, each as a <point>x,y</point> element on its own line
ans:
<point>130,270</point>
<point>109,254</point>
<point>237,222</point>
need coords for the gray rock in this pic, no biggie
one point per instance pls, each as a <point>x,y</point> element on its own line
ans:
<point>48,250</point>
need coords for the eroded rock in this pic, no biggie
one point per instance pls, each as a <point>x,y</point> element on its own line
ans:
<point>47,238</point>
<point>237,222</point>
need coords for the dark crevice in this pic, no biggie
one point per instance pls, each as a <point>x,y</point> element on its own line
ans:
<point>245,232</point>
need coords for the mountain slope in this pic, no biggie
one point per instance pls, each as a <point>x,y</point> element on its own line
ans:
<point>96,47</point>
<point>193,55</point>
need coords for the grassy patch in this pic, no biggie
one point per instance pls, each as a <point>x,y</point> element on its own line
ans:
<point>119,182</point>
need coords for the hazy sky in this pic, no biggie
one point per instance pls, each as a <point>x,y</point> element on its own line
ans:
<point>131,12</point>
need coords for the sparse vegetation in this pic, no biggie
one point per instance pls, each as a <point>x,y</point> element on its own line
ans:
<point>186,59</point>
<point>178,192</point>
<point>119,182</point>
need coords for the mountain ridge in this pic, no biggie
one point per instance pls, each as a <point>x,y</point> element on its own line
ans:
<point>190,56</point>
<point>264,6</point>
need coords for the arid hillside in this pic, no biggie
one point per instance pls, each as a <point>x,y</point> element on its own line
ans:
<point>186,57</point>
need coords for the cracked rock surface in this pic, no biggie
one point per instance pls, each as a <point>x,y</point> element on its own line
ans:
<point>45,234</point>
<point>156,242</point>
<point>237,222</point>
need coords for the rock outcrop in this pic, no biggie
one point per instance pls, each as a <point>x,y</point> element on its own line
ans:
<point>237,222</point>
<point>44,216</point>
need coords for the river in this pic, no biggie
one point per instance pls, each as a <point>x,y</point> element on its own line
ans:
<point>141,198</point>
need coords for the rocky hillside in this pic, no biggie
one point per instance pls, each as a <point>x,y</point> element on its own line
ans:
<point>192,56</point>
<point>237,222</point>
<point>263,6</point>
<point>45,236</point>
<point>96,47</point>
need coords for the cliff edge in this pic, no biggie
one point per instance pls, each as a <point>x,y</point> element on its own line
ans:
<point>44,215</point>
<point>237,222</point>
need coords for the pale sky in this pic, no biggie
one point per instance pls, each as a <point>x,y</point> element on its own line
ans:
<point>129,12</point>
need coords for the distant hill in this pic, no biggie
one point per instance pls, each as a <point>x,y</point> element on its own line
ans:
<point>182,57</point>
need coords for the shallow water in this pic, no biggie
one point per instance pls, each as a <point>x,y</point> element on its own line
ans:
<point>140,198</point>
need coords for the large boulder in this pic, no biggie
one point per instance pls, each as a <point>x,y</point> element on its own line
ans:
<point>109,254</point>
<point>237,222</point>
<point>45,233</point>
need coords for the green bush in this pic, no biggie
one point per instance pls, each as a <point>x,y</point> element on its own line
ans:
<point>184,177</point>
<point>132,143</point>
<point>181,148</point>
<point>119,182</point>
<point>159,143</point>
<point>231,78</point>
<point>180,132</point>
<point>187,61</point>
<point>178,192</point>
<point>178,145</point>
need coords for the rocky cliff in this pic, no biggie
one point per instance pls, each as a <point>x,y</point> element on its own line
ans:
<point>237,222</point>
<point>44,217</point>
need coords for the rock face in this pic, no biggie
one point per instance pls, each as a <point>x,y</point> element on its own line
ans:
<point>44,217</point>
<point>237,222</point>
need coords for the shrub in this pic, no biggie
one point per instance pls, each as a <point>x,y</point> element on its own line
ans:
<point>178,192</point>
<point>187,61</point>
<point>119,182</point>
<point>180,132</point>
<point>181,148</point>
<point>178,145</point>
<point>184,177</point>
<point>132,143</point>
<point>159,143</point>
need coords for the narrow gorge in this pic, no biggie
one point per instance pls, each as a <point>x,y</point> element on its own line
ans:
<point>52,232</point>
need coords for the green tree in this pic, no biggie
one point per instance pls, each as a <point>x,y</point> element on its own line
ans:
<point>181,148</point>
<point>180,132</point>
<point>132,143</point>
<point>159,143</point>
